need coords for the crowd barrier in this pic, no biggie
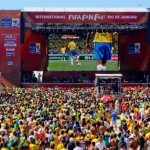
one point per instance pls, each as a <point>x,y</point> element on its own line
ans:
<point>76,85</point>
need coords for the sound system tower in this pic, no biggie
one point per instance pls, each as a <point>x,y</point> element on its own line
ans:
<point>148,30</point>
<point>116,88</point>
<point>22,28</point>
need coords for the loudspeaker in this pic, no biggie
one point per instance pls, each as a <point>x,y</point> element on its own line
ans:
<point>148,31</point>
<point>115,88</point>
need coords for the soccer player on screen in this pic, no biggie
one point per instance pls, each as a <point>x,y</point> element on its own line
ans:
<point>63,51</point>
<point>73,52</point>
<point>102,49</point>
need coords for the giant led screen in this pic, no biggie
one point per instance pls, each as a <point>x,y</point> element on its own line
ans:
<point>83,51</point>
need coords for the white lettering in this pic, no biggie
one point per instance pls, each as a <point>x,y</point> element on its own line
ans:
<point>85,17</point>
<point>49,16</point>
<point>96,16</point>
<point>90,17</point>
<point>71,17</point>
<point>117,17</point>
<point>129,17</point>
<point>78,17</point>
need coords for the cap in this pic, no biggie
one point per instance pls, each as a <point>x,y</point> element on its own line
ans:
<point>71,139</point>
<point>54,119</point>
<point>132,136</point>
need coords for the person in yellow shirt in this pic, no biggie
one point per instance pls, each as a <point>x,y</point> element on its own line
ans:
<point>70,132</point>
<point>60,146</point>
<point>63,51</point>
<point>102,49</point>
<point>33,145</point>
<point>4,147</point>
<point>73,53</point>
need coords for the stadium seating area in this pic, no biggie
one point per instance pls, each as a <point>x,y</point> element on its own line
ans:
<point>67,119</point>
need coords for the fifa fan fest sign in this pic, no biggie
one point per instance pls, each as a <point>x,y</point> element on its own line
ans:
<point>96,17</point>
<point>86,17</point>
<point>92,17</point>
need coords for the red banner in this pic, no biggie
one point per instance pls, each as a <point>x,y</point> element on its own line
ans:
<point>86,17</point>
<point>10,58</point>
<point>136,61</point>
<point>34,61</point>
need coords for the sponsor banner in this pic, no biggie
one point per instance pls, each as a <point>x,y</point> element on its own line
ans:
<point>134,48</point>
<point>70,37</point>
<point>10,22</point>
<point>10,63</point>
<point>10,34</point>
<point>57,58</point>
<point>10,44</point>
<point>60,56</point>
<point>10,49</point>
<point>115,57</point>
<point>86,17</point>
<point>34,48</point>
<point>68,58</point>
<point>10,54</point>
<point>6,22</point>
<point>9,39</point>
<point>82,57</point>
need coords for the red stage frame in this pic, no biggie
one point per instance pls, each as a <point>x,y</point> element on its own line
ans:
<point>11,58</point>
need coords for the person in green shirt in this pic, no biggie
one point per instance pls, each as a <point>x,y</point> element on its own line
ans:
<point>106,141</point>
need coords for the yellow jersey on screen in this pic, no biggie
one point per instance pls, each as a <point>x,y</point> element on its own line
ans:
<point>63,50</point>
<point>103,37</point>
<point>72,45</point>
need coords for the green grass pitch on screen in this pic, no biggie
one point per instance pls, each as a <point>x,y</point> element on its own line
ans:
<point>86,65</point>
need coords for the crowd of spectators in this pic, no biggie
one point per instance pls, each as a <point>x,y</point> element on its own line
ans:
<point>74,119</point>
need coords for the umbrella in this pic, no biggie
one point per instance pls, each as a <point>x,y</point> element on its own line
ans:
<point>106,98</point>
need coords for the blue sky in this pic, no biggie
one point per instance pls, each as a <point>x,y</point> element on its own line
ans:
<point>20,4</point>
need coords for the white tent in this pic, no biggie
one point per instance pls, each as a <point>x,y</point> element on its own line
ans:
<point>76,9</point>
<point>101,84</point>
<point>109,76</point>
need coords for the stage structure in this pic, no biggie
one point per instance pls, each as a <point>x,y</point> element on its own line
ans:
<point>24,36</point>
<point>108,83</point>
<point>42,27</point>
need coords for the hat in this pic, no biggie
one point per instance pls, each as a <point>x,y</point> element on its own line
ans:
<point>3,125</point>
<point>54,119</point>
<point>71,139</point>
<point>132,136</point>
